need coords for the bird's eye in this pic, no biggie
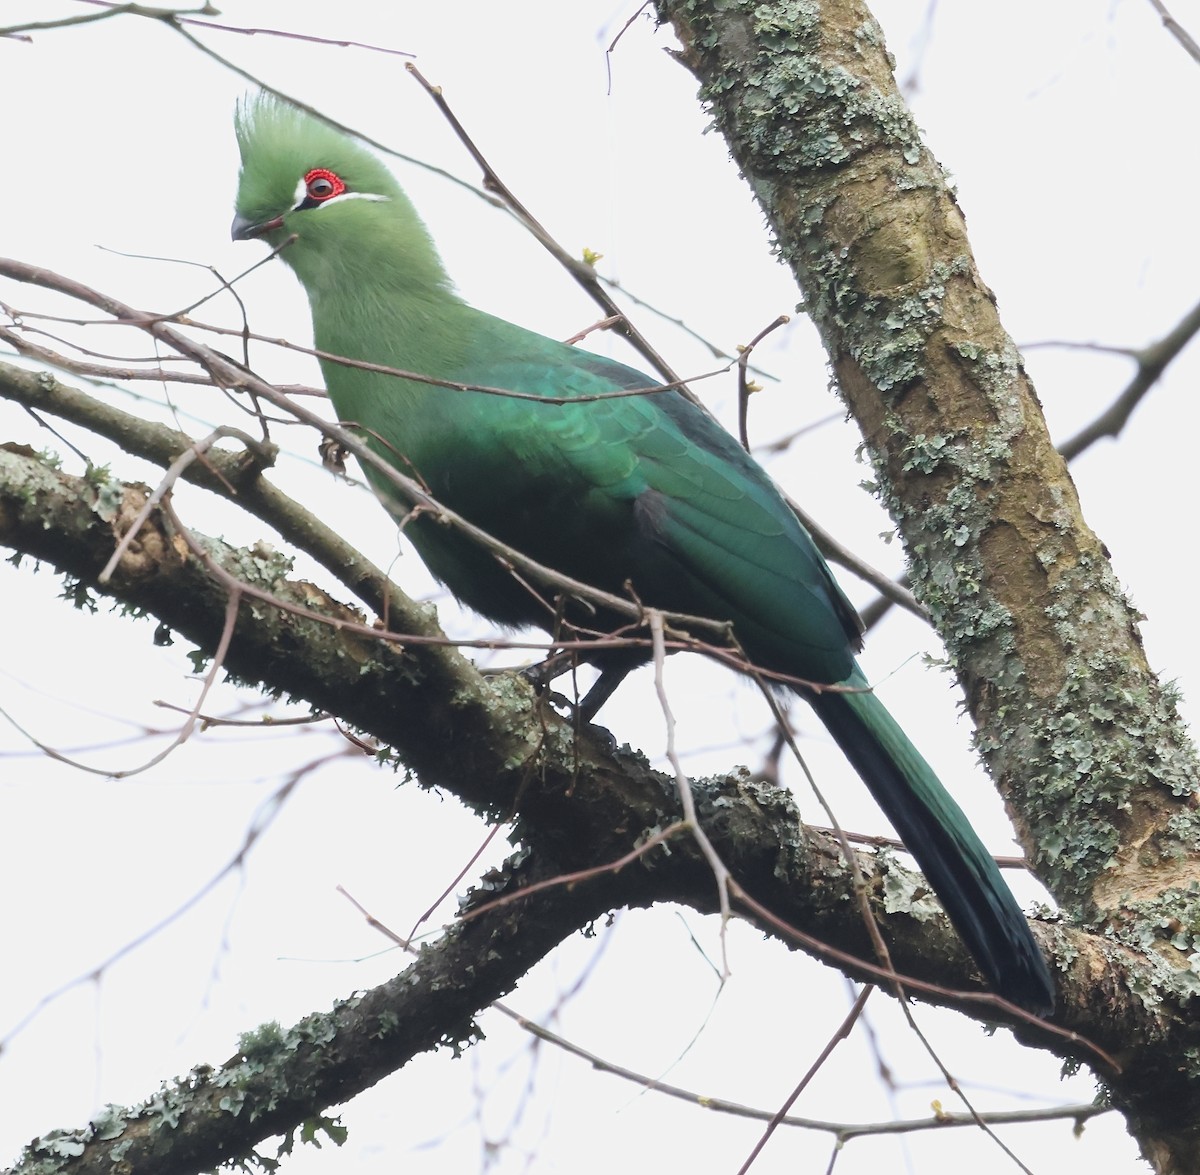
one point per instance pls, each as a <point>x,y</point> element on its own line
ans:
<point>322,184</point>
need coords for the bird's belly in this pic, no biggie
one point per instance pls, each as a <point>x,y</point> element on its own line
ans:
<point>584,545</point>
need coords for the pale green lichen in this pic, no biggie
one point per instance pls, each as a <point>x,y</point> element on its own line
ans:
<point>796,113</point>
<point>1078,756</point>
<point>906,892</point>
<point>1083,754</point>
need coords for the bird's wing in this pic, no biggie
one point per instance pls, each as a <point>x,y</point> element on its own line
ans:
<point>712,535</point>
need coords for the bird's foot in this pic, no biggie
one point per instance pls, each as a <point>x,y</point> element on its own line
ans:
<point>538,677</point>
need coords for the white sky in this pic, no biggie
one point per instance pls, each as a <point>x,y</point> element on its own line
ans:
<point>1069,131</point>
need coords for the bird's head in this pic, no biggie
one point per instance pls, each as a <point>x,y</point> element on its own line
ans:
<point>328,201</point>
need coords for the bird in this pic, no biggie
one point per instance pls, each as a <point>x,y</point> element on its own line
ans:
<point>646,497</point>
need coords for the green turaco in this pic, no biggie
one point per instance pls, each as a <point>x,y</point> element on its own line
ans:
<point>643,493</point>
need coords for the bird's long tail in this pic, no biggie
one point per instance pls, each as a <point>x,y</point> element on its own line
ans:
<point>933,828</point>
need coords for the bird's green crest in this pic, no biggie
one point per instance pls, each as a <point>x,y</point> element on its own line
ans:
<point>331,240</point>
<point>280,144</point>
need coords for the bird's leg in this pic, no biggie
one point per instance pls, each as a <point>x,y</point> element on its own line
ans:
<point>602,689</point>
<point>545,671</point>
<point>539,675</point>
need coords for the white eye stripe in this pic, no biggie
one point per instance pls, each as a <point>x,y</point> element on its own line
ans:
<point>352,196</point>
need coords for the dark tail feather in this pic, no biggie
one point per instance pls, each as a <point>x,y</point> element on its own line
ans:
<point>934,829</point>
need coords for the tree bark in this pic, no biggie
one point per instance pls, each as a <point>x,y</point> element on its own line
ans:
<point>1083,741</point>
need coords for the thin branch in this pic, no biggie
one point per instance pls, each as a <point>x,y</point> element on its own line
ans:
<point>584,274</point>
<point>1177,30</point>
<point>744,388</point>
<point>841,1033</point>
<point>1078,1112</point>
<point>854,964</point>
<point>687,802</point>
<point>1152,361</point>
<point>261,821</point>
<point>680,325</point>
<point>893,591</point>
<point>34,26</point>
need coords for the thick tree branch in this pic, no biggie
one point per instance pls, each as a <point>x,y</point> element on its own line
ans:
<point>485,739</point>
<point>235,476</point>
<point>577,806</point>
<point>1083,741</point>
<point>1001,555</point>
<point>282,1079</point>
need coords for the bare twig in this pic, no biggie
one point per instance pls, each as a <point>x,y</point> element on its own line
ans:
<point>743,384</point>
<point>1078,1113</point>
<point>261,821</point>
<point>680,325</point>
<point>1152,361</point>
<point>583,273</point>
<point>181,736</point>
<point>455,385</point>
<point>1177,30</point>
<point>841,1033</point>
<point>266,722</point>
<point>854,963</point>
<point>608,53</point>
<point>844,1131</point>
<point>890,842</point>
<point>785,442</point>
<point>893,592</point>
<point>180,17</point>
<point>686,801</point>
<point>580,875</point>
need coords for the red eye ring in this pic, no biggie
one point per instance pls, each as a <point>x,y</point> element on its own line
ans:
<point>321,184</point>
